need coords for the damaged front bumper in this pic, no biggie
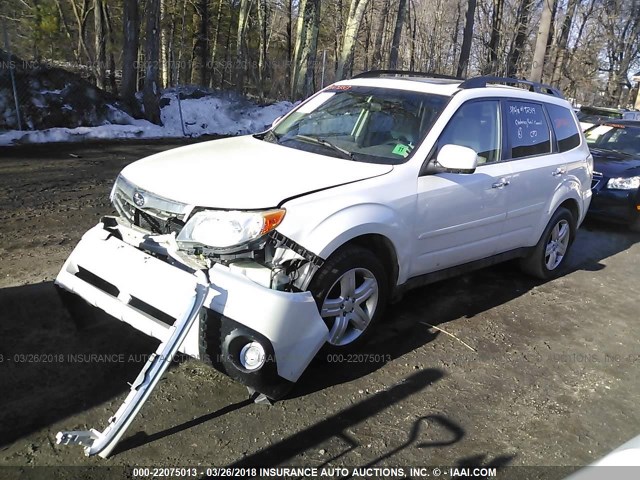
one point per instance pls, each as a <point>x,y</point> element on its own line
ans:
<point>143,281</point>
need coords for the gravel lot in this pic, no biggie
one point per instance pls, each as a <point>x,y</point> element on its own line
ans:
<point>490,369</point>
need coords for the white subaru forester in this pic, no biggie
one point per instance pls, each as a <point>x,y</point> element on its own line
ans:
<point>254,252</point>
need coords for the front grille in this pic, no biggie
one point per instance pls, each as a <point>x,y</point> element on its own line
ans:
<point>155,224</point>
<point>153,220</point>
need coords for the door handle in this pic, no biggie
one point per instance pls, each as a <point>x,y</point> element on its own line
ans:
<point>502,183</point>
<point>559,171</point>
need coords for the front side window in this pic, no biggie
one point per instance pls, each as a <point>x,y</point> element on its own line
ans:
<point>368,124</point>
<point>564,127</point>
<point>527,129</point>
<point>476,125</point>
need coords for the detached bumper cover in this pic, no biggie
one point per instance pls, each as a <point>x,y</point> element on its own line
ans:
<point>290,321</point>
<point>132,286</point>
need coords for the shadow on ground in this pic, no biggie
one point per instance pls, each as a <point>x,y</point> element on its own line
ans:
<point>45,376</point>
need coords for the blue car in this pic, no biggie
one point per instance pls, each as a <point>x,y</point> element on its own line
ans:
<point>615,147</point>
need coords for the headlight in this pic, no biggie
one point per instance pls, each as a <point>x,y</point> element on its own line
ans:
<point>226,229</point>
<point>629,183</point>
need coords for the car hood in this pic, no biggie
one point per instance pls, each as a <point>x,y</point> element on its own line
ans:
<point>242,173</point>
<point>613,164</point>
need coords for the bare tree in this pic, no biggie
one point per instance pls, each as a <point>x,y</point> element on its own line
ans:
<point>518,43</point>
<point>397,32</point>
<point>562,41</point>
<point>215,39</point>
<point>243,15</point>
<point>262,56</point>
<point>382,22</point>
<point>164,45</point>
<point>622,24</point>
<point>130,30</point>
<point>467,37</point>
<point>81,11</point>
<point>494,42</point>
<point>151,90</point>
<point>305,49</point>
<point>99,44</point>
<point>541,41</point>
<point>345,59</point>
<point>200,55</point>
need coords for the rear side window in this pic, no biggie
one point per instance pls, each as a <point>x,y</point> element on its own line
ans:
<point>564,126</point>
<point>527,129</point>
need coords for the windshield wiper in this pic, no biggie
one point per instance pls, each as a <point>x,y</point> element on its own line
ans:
<point>327,143</point>
<point>269,136</point>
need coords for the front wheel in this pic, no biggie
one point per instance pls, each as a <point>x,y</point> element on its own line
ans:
<point>547,257</point>
<point>351,290</point>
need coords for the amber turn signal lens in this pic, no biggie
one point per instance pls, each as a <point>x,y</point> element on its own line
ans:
<point>271,220</point>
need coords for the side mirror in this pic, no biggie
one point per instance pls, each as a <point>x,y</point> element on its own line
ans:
<point>457,159</point>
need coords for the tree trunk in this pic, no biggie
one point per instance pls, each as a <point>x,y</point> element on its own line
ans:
<point>214,44</point>
<point>414,28</point>
<point>301,38</point>
<point>517,46</point>
<point>240,42</point>
<point>100,38</point>
<point>345,62</point>
<point>494,41</point>
<point>337,33</point>
<point>455,34</point>
<point>311,48</point>
<point>164,45</point>
<point>113,87</point>
<point>467,37</point>
<point>151,90</point>
<point>541,41</point>
<point>306,48</point>
<point>262,56</point>
<point>131,29</point>
<point>397,34</point>
<point>200,56</point>
<point>562,42</point>
<point>382,23</point>
<point>288,67</point>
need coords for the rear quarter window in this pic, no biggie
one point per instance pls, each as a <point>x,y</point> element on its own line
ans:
<point>527,129</point>
<point>564,127</point>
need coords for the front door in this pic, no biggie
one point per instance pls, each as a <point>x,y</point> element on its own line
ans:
<point>460,217</point>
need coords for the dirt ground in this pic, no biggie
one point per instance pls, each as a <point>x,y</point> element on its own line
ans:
<point>489,369</point>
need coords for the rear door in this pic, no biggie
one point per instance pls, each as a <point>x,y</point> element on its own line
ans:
<point>537,170</point>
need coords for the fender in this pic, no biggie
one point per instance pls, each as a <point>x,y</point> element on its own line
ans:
<point>324,221</point>
<point>569,189</point>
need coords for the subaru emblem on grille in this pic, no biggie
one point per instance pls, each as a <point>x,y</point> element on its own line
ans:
<point>138,199</point>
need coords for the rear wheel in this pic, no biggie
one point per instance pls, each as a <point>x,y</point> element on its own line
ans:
<point>351,290</point>
<point>548,256</point>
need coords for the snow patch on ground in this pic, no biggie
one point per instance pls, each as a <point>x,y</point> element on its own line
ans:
<point>209,115</point>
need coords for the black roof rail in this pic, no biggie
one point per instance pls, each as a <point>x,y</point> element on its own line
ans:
<point>403,73</point>
<point>480,82</point>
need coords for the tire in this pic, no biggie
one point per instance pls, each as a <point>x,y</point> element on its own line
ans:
<point>351,290</point>
<point>548,256</point>
<point>635,225</point>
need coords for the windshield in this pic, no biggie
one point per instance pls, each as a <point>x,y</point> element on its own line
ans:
<point>367,124</point>
<point>615,137</point>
